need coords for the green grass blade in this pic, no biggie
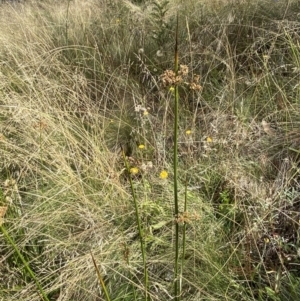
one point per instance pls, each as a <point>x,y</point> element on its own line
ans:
<point>26,265</point>
<point>102,283</point>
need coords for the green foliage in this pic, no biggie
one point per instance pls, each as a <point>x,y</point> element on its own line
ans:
<point>163,25</point>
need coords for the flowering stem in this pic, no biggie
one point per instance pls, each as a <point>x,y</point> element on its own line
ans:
<point>175,159</point>
<point>141,235</point>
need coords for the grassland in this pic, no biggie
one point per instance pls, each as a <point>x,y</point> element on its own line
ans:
<point>84,82</point>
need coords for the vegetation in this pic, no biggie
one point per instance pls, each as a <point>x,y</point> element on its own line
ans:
<point>128,175</point>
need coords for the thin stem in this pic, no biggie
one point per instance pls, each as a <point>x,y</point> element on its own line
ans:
<point>102,283</point>
<point>175,159</point>
<point>183,237</point>
<point>67,22</point>
<point>141,235</point>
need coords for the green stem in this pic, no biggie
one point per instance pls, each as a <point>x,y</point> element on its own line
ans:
<point>26,265</point>
<point>141,235</point>
<point>183,238</point>
<point>175,159</point>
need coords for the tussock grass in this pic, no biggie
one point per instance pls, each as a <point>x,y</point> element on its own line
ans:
<point>80,81</point>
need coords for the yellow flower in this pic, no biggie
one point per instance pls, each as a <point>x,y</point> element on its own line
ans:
<point>188,132</point>
<point>145,113</point>
<point>171,89</point>
<point>163,174</point>
<point>134,170</point>
<point>141,146</point>
<point>209,139</point>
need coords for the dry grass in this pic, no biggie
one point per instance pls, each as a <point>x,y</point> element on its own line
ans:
<point>79,79</point>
